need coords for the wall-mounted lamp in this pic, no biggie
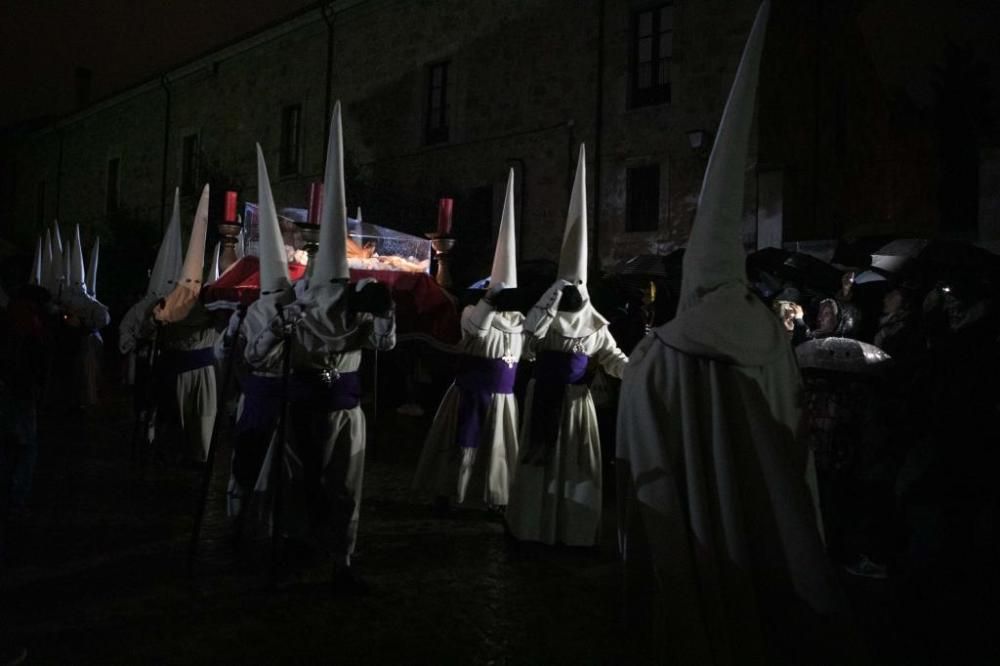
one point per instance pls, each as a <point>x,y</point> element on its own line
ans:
<point>698,139</point>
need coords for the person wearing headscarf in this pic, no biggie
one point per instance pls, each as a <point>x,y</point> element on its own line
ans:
<point>719,527</point>
<point>557,491</point>
<point>471,448</point>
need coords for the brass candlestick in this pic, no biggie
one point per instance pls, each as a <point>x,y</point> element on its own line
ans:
<point>229,232</point>
<point>310,238</point>
<point>442,245</point>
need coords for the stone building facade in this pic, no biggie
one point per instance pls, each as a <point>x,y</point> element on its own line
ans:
<point>442,98</point>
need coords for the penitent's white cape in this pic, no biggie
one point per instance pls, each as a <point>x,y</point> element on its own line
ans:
<point>484,472</point>
<point>717,518</point>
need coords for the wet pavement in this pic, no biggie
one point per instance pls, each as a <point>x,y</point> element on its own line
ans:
<point>98,573</point>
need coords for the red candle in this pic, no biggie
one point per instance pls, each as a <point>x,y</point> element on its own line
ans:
<point>315,202</point>
<point>230,215</point>
<point>444,216</point>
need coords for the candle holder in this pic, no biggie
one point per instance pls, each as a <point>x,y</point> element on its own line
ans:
<point>229,233</point>
<point>310,239</point>
<point>442,246</point>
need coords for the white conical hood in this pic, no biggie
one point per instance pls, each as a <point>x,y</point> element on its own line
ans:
<point>573,256</point>
<point>194,261</point>
<point>77,272</point>
<point>167,267</point>
<point>57,266</point>
<point>213,272</point>
<point>48,280</point>
<point>331,257</point>
<point>358,217</point>
<point>95,256</point>
<point>36,265</point>
<point>717,315</point>
<point>505,257</point>
<point>271,247</point>
<point>715,254</point>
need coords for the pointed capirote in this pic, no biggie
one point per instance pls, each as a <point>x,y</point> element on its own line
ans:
<point>358,217</point>
<point>715,253</point>
<point>167,267</point>
<point>95,257</point>
<point>331,257</point>
<point>77,272</point>
<point>58,265</point>
<point>271,246</point>
<point>505,255</point>
<point>573,256</point>
<point>193,271</point>
<point>35,277</point>
<point>213,271</point>
<point>47,270</point>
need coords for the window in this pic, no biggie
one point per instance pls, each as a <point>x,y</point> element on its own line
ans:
<point>113,179</point>
<point>642,203</point>
<point>652,50</point>
<point>437,103</point>
<point>40,203</point>
<point>291,117</point>
<point>189,164</point>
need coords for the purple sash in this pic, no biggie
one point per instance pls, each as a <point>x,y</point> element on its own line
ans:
<point>261,403</point>
<point>175,362</point>
<point>478,380</point>
<point>327,390</point>
<point>554,371</point>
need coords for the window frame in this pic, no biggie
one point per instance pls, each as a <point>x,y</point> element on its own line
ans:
<point>289,162</point>
<point>437,128</point>
<point>660,92</point>
<point>636,216</point>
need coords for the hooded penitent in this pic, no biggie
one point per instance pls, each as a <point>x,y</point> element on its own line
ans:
<point>329,273</point>
<point>274,279</point>
<point>167,266</point>
<point>77,272</point>
<point>57,268</point>
<point>183,298</point>
<point>35,277</point>
<point>573,259</point>
<point>504,256</point>
<point>716,499</point>
<point>716,316</point>
<point>95,255</point>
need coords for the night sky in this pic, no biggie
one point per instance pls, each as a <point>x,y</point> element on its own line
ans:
<point>123,43</point>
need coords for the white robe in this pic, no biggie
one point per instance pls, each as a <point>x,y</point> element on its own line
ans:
<point>715,501</point>
<point>447,469</point>
<point>194,390</point>
<point>327,339</point>
<point>560,501</point>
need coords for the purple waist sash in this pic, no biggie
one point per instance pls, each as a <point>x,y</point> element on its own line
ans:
<point>478,380</point>
<point>326,390</point>
<point>554,371</point>
<point>261,403</point>
<point>175,362</point>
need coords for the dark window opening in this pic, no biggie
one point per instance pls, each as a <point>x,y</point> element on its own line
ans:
<point>40,203</point>
<point>291,124</point>
<point>642,206</point>
<point>652,53</point>
<point>189,164</point>
<point>113,190</point>
<point>437,103</point>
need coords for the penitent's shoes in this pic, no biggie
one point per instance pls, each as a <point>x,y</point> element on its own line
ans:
<point>347,582</point>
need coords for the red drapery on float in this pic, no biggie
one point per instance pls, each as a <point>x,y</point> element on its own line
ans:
<point>423,309</point>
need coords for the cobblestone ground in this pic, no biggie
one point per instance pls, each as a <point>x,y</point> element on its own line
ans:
<point>98,573</point>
